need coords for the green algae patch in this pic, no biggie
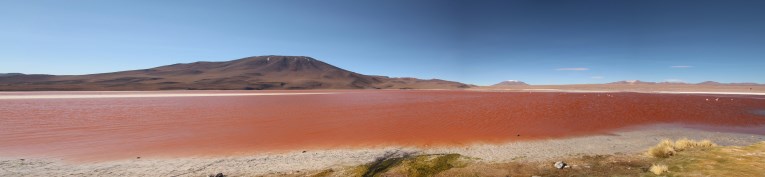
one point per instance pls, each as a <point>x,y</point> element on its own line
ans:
<point>382,166</point>
<point>411,165</point>
<point>325,173</point>
<point>430,165</point>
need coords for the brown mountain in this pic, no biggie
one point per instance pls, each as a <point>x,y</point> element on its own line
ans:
<point>718,83</point>
<point>252,73</point>
<point>510,83</point>
<point>639,82</point>
<point>708,83</point>
<point>10,74</point>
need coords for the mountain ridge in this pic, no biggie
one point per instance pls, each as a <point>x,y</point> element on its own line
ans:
<point>270,72</point>
<point>510,83</point>
<point>639,82</point>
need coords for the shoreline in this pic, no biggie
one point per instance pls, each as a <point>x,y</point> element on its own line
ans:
<point>634,140</point>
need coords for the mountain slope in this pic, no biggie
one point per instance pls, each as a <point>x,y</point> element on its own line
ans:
<point>632,82</point>
<point>262,72</point>
<point>706,83</point>
<point>510,83</point>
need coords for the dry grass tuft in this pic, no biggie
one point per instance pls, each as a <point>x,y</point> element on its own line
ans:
<point>692,161</point>
<point>667,148</point>
<point>684,144</point>
<point>662,150</point>
<point>658,169</point>
<point>719,161</point>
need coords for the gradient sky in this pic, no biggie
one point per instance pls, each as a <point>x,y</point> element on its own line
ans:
<point>476,42</point>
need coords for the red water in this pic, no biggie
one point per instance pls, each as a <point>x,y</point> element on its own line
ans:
<point>117,128</point>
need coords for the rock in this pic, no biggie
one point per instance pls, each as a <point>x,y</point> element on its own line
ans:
<point>218,175</point>
<point>560,165</point>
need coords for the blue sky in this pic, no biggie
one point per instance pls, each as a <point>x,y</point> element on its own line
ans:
<point>476,42</point>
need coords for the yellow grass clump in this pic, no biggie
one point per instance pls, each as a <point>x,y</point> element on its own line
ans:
<point>658,169</point>
<point>667,148</point>
<point>684,144</point>
<point>662,150</point>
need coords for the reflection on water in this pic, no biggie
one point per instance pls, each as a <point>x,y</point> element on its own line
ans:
<point>107,128</point>
<point>760,112</point>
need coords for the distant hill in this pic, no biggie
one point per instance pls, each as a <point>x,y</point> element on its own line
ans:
<point>632,82</point>
<point>639,82</point>
<point>709,83</point>
<point>251,73</point>
<point>510,83</point>
<point>10,74</point>
<point>718,83</point>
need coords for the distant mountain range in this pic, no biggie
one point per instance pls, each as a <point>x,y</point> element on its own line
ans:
<point>510,83</point>
<point>638,82</point>
<point>251,73</point>
<point>10,74</point>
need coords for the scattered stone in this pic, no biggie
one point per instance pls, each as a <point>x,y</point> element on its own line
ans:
<point>138,157</point>
<point>518,135</point>
<point>560,164</point>
<point>218,175</point>
<point>305,151</point>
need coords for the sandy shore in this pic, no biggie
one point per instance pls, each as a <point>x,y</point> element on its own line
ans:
<point>627,141</point>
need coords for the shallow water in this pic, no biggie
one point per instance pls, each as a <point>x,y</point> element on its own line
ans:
<point>119,128</point>
<point>760,112</point>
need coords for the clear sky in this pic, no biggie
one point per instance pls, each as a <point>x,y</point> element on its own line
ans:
<point>476,42</point>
